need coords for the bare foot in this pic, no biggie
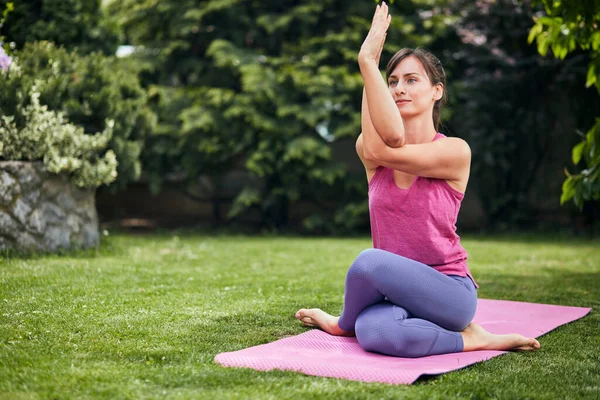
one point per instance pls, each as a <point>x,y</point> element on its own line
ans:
<point>477,338</point>
<point>320,319</point>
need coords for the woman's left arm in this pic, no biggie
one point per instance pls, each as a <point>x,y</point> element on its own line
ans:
<point>381,109</point>
<point>446,158</point>
<point>381,106</point>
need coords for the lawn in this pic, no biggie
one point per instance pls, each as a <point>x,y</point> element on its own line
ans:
<point>144,316</point>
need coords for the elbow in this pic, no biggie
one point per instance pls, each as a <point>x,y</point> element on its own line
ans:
<point>380,151</point>
<point>395,141</point>
<point>393,135</point>
<point>367,153</point>
<point>373,155</point>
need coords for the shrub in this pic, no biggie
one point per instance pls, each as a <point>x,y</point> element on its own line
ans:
<point>63,147</point>
<point>88,90</point>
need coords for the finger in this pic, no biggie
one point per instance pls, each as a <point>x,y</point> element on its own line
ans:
<point>375,15</point>
<point>384,16</point>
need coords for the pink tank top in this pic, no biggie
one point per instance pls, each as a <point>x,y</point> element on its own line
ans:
<point>419,222</point>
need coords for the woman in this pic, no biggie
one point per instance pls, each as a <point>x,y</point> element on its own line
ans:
<point>413,294</point>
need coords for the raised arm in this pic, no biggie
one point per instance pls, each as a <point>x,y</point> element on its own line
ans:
<point>370,141</point>
<point>380,106</point>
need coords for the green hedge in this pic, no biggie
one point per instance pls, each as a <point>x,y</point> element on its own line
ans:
<point>89,90</point>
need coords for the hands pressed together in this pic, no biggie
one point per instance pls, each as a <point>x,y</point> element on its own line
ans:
<point>373,44</point>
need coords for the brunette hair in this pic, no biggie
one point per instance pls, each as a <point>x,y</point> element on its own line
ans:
<point>435,73</point>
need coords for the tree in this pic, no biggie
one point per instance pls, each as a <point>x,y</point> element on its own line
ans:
<point>510,104</point>
<point>569,27</point>
<point>268,85</point>
<point>89,90</point>
<point>80,24</point>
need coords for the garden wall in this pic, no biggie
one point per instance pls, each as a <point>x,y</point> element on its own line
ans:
<point>43,211</point>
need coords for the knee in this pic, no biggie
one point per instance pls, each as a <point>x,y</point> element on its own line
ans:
<point>377,334</point>
<point>369,333</point>
<point>459,320</point>
<point>457,325</point>
<point>365,262</point>
<point>460,324</point>
<point>386,336</point>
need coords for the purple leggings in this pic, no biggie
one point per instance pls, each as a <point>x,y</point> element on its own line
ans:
<point>404,308</point>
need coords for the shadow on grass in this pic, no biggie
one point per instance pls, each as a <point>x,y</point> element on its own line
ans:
<point>118,239</point>
<point>561,238</point>
<point>106,246</point>
<point>579,289</point>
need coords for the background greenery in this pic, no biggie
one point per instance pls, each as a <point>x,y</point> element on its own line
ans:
<point>569,28</point>
<point>90,90</point>
<point>144,316</point>
<point>271,88</point>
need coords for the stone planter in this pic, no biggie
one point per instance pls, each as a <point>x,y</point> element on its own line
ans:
<point>42,211</point>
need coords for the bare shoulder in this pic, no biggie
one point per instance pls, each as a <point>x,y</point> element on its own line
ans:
<point>460,150</point>
<point>370,166</point>
<point>457,146</point>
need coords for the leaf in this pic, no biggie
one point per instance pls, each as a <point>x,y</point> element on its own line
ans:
<point>577,150</point>
<point>543,43</point>
<point>591,76</point>
<point>595,41</point>
<point>568,190</point>
<point>535,31</point>
<point>248,197</point>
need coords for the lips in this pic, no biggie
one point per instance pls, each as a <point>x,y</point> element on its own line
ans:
<point>402,101</point>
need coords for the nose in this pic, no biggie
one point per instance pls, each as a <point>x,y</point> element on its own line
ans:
<point>400,89</point>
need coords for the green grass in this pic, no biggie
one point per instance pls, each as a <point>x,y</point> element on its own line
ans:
<point>144,316</point>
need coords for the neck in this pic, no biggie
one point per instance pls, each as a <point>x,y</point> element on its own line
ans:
<point>419,129</point>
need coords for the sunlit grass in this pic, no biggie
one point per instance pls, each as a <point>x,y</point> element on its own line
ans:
<point>144,316</point>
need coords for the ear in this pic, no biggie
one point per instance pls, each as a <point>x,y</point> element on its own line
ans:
<point>439,91</point>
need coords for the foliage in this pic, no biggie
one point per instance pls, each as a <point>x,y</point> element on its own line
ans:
<point>80,24</point>
<point>7,8</point>
<point>88,90</point>
<point>566,28</point>
<point>269,87</point>
<point>510,104</point>
<point>585,186</point>
<point>63,147</point>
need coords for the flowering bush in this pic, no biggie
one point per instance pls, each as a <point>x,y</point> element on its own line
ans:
<point>5,60</point>
<point>88,90</point>
<point>48,136</point>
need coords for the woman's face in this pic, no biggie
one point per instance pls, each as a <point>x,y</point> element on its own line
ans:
<point>411,88</point>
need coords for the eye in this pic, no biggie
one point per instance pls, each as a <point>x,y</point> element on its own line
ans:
<point>411,80</point>
<point>393,82</point>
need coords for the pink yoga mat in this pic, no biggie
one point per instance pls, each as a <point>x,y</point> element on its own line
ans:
<point>320,354</point>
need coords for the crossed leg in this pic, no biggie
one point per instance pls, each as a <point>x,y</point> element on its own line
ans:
<point>401,307</point>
